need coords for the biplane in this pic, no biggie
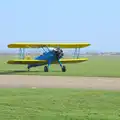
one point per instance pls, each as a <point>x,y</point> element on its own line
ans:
<point>49,56</point>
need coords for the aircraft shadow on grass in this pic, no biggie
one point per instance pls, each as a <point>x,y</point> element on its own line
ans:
<point>12,72</point>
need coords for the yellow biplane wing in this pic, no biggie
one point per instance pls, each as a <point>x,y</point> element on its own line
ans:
<point>64,61</point>
<point>38,45</point>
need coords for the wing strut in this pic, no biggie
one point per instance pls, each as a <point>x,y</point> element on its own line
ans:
<point>22,53</point>
<point>43,47</point>
<point>77,53</point>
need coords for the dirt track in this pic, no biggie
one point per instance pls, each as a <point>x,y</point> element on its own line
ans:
<point>59,82</point>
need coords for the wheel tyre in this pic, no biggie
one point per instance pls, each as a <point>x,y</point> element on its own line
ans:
<point>45,69</point>
<point>63,69</point>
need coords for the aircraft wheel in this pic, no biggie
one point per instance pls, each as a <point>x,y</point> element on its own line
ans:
<point>63,69</point>
<point>45,69</point>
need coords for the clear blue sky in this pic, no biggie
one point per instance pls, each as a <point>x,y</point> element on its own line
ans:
<point>93,21</point>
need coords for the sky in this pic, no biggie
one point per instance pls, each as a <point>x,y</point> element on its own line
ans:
<point>93,21</point>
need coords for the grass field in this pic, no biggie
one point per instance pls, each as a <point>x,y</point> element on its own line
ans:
<point>59,104</point>
<point>62,104</point>
<point>106,66</point>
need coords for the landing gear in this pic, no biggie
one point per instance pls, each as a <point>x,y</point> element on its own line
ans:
<point>46,69</point>
<point>63,69</point>
<point>28,68</point>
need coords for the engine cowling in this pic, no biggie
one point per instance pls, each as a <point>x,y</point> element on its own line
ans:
<point>59,53</point>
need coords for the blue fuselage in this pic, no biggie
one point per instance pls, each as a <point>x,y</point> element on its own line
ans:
<point>48,56</point>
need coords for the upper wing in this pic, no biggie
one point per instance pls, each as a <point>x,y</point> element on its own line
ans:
<point>64,61</point>
<point>38,45</point>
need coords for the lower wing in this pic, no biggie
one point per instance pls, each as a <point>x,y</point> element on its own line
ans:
<point>64,61</point>
<point>26,61</point>
<point>69,61</point>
